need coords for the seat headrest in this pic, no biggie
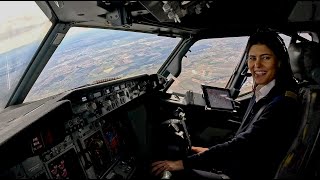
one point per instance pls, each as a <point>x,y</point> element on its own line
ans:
<point>305,61</point>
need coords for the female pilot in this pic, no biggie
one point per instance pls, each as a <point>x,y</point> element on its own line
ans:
<point>263,138</point>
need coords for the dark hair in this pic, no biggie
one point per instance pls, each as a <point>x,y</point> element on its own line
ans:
<point>284,76</point>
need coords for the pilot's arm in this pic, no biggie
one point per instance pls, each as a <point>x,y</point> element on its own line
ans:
<point>268,136</point>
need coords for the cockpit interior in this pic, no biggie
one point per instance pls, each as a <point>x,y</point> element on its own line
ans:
<point>101,89</point>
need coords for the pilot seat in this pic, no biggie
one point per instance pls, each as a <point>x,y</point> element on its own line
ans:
<point>302,159</point>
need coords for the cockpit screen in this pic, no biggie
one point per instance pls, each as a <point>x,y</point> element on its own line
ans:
<point>114,137</point>
<point>98,151</point>
<point>66,166</point>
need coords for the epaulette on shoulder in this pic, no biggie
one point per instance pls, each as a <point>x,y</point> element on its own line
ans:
<point>291,94</point>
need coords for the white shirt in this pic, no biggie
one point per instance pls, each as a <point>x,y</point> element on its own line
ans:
<point>263,90</point>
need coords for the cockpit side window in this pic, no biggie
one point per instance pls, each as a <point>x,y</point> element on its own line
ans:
<point>306,36</point>
<point>23,28</point>
<point>210,62</point>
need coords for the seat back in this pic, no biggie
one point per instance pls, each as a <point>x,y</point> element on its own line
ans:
<point>305,61</point>
<point>300,160</point>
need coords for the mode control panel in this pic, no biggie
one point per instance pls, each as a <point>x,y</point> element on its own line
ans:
<point>97,103</point>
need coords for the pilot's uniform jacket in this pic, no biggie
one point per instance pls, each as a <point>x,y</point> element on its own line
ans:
<point>259,145</point>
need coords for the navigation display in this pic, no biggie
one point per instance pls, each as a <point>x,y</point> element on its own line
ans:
<point>217,98</point>
<point>66,166</point>
<point>114,138</point>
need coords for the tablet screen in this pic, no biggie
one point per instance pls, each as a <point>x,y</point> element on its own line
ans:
<point>217,98</point>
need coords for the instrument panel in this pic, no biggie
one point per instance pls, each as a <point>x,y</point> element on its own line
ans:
<point>94,141</point>
<point>92,105</point>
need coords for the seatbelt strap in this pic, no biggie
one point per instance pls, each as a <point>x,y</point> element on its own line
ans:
<point>287,94</point>
<point>249,109</point>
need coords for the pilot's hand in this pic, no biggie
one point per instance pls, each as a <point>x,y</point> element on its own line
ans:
<point>159,167</point>
<point>198,149</point>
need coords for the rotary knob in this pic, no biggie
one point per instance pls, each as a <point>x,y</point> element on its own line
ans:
<point>92,106</point>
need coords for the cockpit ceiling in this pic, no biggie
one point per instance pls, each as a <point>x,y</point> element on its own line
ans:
<point>214,18</point>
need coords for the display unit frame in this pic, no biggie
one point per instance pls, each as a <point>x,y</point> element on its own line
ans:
<point>221,96</point>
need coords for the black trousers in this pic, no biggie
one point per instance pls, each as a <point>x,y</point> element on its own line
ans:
<point>196,174</point>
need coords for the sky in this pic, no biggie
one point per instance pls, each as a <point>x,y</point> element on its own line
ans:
<point>10,9</point>
<point>16,17</point>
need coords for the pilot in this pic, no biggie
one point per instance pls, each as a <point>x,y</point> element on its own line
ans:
<point>268,127</point>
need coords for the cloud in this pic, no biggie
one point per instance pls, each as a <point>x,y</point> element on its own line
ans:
<point>21,23</point>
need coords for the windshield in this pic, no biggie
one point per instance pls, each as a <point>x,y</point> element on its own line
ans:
<point>23,27</point>
<point>87,55</point>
